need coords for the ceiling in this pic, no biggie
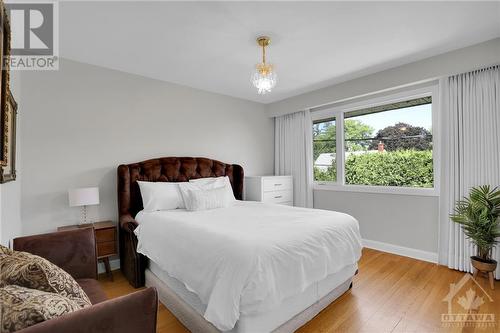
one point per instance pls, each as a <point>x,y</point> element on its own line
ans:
<point>211,45</point>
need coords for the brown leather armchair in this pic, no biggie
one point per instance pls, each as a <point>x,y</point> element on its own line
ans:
<point>75,252</point>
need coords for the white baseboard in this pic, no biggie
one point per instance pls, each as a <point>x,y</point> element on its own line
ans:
<point>114,264</point>
<point>401,250</point>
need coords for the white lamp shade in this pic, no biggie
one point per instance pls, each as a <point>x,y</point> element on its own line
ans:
<point>85,196</point>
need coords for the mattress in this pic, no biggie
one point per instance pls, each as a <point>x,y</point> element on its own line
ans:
<point>250,257</point>
<point>269,320</point>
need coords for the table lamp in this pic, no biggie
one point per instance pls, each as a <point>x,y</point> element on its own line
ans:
<point>83,197</point>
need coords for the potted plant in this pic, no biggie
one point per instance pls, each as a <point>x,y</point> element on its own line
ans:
<point>479,217</point>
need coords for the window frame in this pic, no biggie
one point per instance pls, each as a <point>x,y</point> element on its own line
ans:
<point>339,111</point>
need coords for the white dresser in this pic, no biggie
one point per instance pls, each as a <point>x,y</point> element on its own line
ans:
<point>271,189</point>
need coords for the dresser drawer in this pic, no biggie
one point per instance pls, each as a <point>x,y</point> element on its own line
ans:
<point>276,184</point>
<point>105,235</point>
<point>277,196</point>
<point>106,248</point>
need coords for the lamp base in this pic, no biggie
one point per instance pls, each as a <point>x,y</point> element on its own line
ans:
<point>84,221</point>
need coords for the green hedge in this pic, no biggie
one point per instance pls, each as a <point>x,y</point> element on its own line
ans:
<point>329,175</point>
<point>409,168</point>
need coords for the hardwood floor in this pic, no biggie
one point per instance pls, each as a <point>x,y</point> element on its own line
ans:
<point>390,294</point>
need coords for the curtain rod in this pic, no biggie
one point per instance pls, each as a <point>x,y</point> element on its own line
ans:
<point>479,70</point>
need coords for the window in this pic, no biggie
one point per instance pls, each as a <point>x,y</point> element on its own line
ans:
<point>385,144</point>
<point>324,150</point>
<point>390,145</point>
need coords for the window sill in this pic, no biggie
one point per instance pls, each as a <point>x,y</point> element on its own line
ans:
<point>424,192</point>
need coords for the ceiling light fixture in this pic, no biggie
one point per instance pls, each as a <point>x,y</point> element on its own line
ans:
<point>264,78</point>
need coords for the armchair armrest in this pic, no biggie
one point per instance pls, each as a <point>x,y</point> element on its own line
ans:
<point>127,222</point>
<point>74,250</point>
<point>131,313</point>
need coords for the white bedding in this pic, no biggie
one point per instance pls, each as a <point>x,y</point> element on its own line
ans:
<point>248,257</point>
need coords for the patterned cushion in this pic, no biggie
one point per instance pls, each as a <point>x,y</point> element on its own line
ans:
<point>22,307</point>
<point>5,250</point>
<point>31,271</point>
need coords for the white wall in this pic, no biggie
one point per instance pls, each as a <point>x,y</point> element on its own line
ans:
<point>402,220</point>
<point>81,122</point>
<point>10,208</point>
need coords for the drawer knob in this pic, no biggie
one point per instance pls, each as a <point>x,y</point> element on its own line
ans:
<point>278,184</point>
<point>278,196</point>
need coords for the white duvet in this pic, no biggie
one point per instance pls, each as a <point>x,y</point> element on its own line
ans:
<point>250,256</point>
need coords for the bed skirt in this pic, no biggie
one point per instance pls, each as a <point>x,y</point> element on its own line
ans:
<point>195,322</point>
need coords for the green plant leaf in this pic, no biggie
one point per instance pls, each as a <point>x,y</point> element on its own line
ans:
<point>478,214</point>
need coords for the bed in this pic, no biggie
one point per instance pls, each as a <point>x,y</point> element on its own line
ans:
<point>251,267</point>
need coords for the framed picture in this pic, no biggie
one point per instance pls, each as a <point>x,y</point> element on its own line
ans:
<point>8,170</point>
<point>4,85</point>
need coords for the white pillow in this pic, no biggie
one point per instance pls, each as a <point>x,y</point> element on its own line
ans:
<point>160,196</point>
<point>200,198</point>
<point>215,182</point>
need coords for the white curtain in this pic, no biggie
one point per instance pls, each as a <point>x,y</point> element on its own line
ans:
<point>293,154</point>
<point>470,153</point>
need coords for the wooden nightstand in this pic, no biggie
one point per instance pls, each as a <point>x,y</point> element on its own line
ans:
<point>106,241</point>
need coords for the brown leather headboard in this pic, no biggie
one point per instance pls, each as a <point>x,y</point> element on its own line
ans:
<point>170,169</point>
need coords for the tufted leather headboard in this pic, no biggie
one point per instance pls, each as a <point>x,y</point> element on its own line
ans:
<point>166,169</point>
<point>170,169</point>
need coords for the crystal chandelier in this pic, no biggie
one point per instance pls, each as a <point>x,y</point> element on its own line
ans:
<point>264,78</point>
